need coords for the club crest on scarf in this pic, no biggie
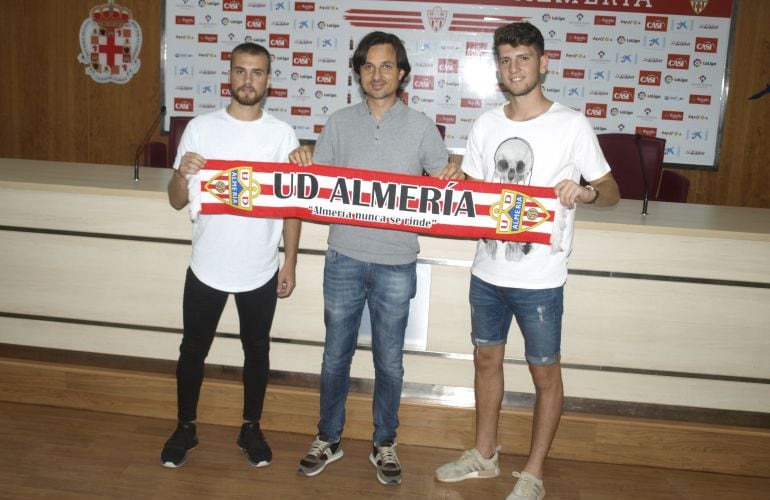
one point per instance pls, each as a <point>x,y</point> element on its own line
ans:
<point>235,187</point>
<point>516,212</point>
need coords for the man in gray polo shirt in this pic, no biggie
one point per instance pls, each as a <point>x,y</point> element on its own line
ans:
<point>368,265</point>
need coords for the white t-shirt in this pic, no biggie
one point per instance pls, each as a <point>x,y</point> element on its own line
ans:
<point>559,144</point>
<point>234,253</point>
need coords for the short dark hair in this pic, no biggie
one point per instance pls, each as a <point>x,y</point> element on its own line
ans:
<point>516,34</point>
<point>379,38</point>
<point>253,49</point>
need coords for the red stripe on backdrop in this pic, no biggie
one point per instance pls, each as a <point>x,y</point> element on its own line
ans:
<point>713,8</point>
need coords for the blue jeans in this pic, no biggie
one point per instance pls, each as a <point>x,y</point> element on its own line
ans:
<point>348,285</point>
<point>538,314</point>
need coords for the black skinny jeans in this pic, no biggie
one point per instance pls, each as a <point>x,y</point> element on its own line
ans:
<point>202,307</point>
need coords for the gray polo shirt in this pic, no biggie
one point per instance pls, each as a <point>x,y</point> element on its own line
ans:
<point>404,141</point>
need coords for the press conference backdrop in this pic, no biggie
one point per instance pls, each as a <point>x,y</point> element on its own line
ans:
<point>653,67</point>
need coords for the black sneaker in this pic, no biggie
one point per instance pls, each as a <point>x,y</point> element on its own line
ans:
<point>175,450</point>
<point>321,453</point>
<point>385,459</point>
<point>252,442</point>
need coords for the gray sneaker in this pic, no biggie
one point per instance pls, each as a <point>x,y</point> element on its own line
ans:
<point>321,453</point>
<point>385,459</point>
<point>528,487</point>
<point>471,464</point>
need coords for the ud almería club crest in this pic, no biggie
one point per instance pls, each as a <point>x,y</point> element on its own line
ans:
<point>110,40</point>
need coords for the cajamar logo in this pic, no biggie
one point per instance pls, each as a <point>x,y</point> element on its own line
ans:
<point>516,212</point>
<point>235,187</point>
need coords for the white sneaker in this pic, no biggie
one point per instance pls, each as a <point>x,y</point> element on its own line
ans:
<point>470,465</point>
<point>528,487</point>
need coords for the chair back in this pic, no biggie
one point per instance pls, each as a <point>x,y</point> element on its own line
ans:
<point>636,162</point>
<point>176,127</point>
<point>155,154</point>
<point>674,187</point>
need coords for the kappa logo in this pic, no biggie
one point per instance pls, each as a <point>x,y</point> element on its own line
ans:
<point>235,187</point>
<point>517,213</point>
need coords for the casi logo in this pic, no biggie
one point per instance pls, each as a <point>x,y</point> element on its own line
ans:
<point>467,102</point>
<point>279,41</point>
<point>647,131</point>
<point>256,22</point>
<point>574,73</point>
<point>301,111</point>
<point>422,82</point>
<point>187,20</point>
<point>596,110</point>
<point>207,38</point>
<point>649,77</point>
<point>577,37</point>
<point>672,115</point>
<point>224,90</point>
<point>326,77</point>
<point>448,65</point>
<point>304,6</point>
<point>553,54</point>
<point>623,94</point>
<point>302,59</point>
<point>226,56</point>
<point>604,20</point>
<point>678,61</point>
<point>232,5</point>
<point>446,119</point>
<point>700,99</point>
<point>183,104</point>
<point>706,45</point>
<point>476,48</point>
<point>656,23</point>
<point>271,92</point>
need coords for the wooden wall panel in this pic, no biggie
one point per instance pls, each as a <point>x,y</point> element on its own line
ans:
<point>742,178</point>
<point>51,110</point>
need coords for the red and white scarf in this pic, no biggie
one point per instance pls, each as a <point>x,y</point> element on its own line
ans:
<point>421,204</point>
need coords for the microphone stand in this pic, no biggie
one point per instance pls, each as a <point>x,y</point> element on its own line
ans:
<point>645,198</point>
<point>146,138</point>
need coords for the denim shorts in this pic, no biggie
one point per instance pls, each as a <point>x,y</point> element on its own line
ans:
<point>538,314</point>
